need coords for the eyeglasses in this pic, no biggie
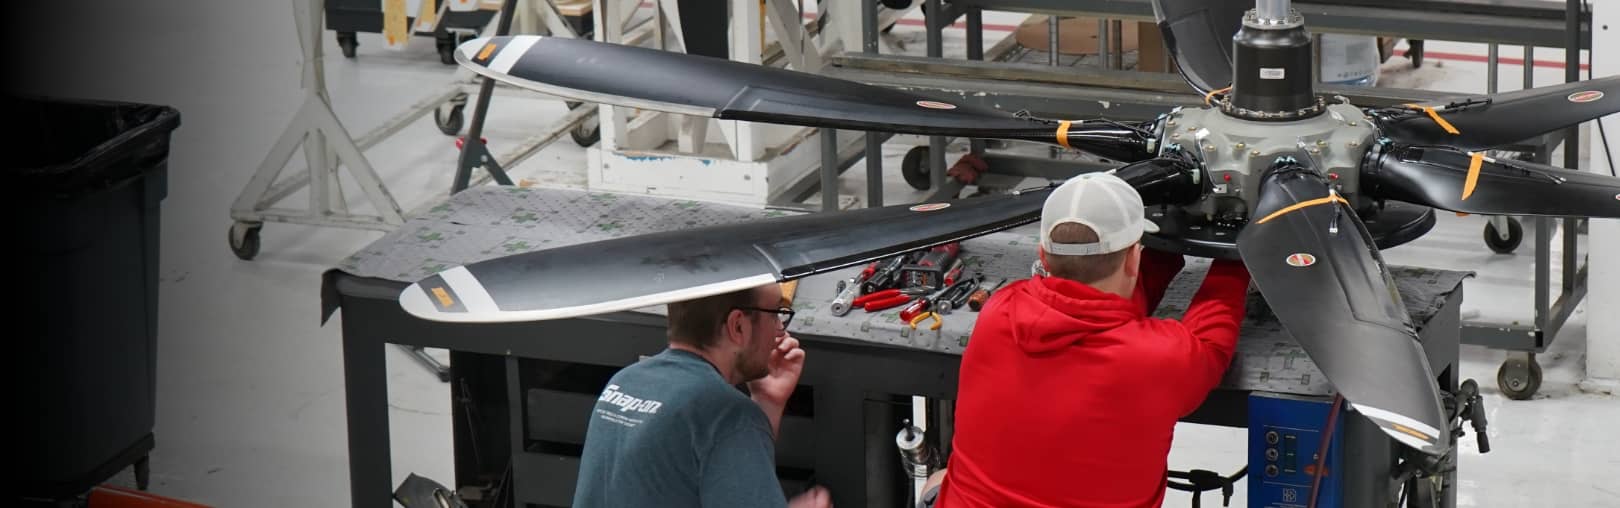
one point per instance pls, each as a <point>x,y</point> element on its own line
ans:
<point>784,314</point>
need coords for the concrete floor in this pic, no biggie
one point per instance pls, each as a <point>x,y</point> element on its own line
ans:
<point>250,399</point>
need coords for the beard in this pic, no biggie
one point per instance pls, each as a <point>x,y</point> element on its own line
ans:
<point>755,362</point>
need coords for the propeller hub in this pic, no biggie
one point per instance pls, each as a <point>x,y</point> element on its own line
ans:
<point>1272,78</point>
<point>1237,152</point>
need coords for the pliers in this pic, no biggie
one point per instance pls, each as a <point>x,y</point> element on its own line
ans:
<point>883,300</point>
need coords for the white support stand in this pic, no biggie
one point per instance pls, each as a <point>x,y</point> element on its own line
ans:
<point>1603,325</point>
<point>751,164</point>
<point>327,147</point>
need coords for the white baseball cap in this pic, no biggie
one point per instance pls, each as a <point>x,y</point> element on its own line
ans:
<point>1101,201</point>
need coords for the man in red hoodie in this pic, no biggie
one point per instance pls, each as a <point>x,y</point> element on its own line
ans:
<point>1069,391</point>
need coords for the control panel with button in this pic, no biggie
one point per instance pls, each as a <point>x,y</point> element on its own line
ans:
<point>1285,432</point>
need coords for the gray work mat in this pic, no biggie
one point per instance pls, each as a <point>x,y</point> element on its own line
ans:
<point>489,222</point>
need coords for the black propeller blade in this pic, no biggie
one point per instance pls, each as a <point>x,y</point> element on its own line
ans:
<point>1315,263</point>
<point>697,85</point>
<point>1475,183</point>
<point>1486,121</point>
<point>634,272</point>
<point>1199,36</point>
<point>629,273</point>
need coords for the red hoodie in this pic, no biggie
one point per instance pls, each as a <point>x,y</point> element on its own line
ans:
<point>1069,395</point>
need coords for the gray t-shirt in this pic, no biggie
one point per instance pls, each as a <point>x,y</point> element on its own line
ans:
<point>668,431</point>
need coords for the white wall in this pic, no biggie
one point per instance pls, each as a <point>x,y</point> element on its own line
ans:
<point>1603,298</point>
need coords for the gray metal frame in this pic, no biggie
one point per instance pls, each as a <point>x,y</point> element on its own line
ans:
<point>1075,92</point>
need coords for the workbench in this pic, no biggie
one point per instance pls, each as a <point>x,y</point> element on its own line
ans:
<point>522,392</point>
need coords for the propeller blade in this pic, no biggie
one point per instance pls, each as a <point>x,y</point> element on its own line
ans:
<point>1476,183</point>
<point>1174,178</point>
<point>1331,291</point>
<point>1486,121</point>
<point>1199,35</point>
<point>633,272</point>
<point>605,73</point>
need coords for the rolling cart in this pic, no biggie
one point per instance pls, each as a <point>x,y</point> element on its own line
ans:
<point>455,21</point>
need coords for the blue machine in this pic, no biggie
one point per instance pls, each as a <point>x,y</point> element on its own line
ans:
<point>1285,432</point>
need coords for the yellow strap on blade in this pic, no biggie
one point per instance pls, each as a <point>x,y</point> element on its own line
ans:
<point>1474,162</point>
<point>1063,134</point>
<point>1435,115</point>
<point>1303,204</point>
<point>1211,95</point>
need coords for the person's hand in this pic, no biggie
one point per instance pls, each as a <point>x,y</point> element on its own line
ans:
<point>816,497</point>
<point>787,362</point>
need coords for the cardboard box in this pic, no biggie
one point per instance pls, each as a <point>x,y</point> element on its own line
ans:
<point>1078,36</point>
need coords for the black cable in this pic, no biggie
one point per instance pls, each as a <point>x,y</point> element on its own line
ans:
<point>1200,481</point>
<point>1322,449</point>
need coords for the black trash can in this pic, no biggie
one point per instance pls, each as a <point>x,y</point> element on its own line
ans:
<point>85,186</point>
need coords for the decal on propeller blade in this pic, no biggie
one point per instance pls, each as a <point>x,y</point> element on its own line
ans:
<point>1301,260</point>
<point>930,207</point>
<point>1587,96</point>
<point>444,298</point>
<point>936,105</point>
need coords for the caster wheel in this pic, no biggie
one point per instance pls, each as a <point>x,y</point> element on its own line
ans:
<point>143,473</point>
<point>244,239</point>
<point>347,42</point>
<point>449,119</point>
<point>586,134</point>
<point>915,168</point>
<point>1415,52</point>
<point>446,44</point>
<point>1519,378</point>
<point>1493,237</point>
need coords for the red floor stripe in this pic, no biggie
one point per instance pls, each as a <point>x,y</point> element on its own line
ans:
<point>1550,64</point>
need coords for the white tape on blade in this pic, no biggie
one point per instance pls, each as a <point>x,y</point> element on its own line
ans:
<point>678,295</point>
<point>1408,440</point>
<point>508,55</point>
<point>1402,420</point>
<point>472,293</point>
<point>468,50</point>
<point>474,316</point>
<point>415,302</point>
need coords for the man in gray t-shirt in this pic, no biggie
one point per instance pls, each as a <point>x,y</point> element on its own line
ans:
<point>672,430</point>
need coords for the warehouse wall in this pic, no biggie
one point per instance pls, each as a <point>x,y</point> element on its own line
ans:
<point>1603,300</point>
